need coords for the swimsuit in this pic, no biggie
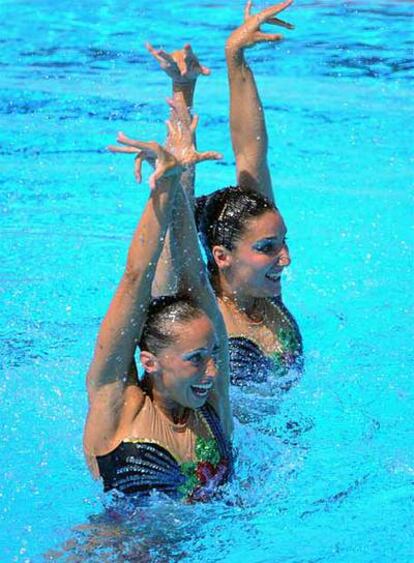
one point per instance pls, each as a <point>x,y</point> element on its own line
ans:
<point>141,465</point>
<point>249,363</point>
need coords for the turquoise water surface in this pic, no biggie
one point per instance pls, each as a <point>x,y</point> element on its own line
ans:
<point>327,474</point>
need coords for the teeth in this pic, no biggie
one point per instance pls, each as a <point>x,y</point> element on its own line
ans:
<point>202,389</point>
<point>203,386</point>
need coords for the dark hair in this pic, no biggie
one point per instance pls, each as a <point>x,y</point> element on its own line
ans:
<point>163,314</point>
<point>221,217</point>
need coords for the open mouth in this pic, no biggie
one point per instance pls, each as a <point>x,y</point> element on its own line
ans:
<point>202,389</point>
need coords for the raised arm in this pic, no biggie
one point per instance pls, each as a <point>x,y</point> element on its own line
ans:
<point>183,67</point>
<point>192,276</point>
<point>190,269</point>
<point>193,280</point>
<point>114,397</point>
<point>247,119</point>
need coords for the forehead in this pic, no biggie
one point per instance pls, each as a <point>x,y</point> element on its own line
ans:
<point>268,225</point>
<point>197,333</point>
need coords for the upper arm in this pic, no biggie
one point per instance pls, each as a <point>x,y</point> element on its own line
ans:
<point>111,412</point>
<point>219,396</point>
<point>254,176</point>
<point>114,396</point>
<point>248,128</point>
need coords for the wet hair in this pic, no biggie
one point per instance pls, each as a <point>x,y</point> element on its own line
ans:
<point>163,314</point>
<point>222,216</point>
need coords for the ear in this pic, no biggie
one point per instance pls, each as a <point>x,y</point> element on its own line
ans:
<point>222,257</point>
<point>149,362</point>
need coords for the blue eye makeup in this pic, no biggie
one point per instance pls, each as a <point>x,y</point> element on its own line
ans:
<point>198,357</point>
<point>195,358</point>
<point>270,245</point>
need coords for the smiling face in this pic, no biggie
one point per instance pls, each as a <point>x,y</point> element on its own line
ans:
<point>256,263</point>
<point>186,368</point>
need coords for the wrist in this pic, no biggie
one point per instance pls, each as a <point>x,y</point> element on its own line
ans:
<point>234,55</point>
<point>184,91</point>
<point>185,87</point>
<point>166,185</point>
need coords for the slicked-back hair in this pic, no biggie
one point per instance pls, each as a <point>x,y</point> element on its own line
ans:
<point>163,315</point>
<point>222,216</point>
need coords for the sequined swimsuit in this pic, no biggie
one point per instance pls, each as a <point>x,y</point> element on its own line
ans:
<point>143,465</point>
<point>248,362</point>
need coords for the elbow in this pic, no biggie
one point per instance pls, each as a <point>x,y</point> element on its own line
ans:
<point>132,274</point>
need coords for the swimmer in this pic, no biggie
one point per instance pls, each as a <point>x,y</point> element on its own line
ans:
<point>242,230</point>
<point>169,431</point>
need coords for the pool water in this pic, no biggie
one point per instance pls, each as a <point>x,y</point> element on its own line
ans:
<point>327,472</point>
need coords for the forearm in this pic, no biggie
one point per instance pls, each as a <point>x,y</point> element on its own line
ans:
<point>247,125</point>
<point>184,93</point>
<point>166,280</point>
<point>192,275</point>
<point>183,96</point>
<point>146,243</point>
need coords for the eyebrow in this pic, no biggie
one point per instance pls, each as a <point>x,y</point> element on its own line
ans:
<point>273,237</point>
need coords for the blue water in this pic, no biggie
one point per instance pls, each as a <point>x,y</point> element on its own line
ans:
<point>328,473</point>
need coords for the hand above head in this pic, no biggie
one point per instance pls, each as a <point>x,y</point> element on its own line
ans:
<point>164,163</point>
<point>249,33</point>
<point>182,66</point>
<point>169,161</point>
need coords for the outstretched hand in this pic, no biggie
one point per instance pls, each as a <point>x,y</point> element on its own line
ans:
<point>182,66</point>
<point>164,163</point>
<point>169,161</point>
<point>249,33</point>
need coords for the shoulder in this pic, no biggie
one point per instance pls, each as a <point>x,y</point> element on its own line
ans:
<point>109,421</point>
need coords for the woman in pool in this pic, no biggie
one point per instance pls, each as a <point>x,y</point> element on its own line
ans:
<point>169,431</point>
<point>243,233</point>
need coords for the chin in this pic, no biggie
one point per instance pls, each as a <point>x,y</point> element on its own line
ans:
<point>200,402</point>
<point>274,289</point>
<point>197,402</point>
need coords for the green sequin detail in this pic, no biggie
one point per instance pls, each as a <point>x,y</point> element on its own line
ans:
<point>189,470</point>
<point>206,450</point>
<point>289,344</point>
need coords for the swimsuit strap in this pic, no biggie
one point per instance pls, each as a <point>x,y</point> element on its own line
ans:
<point>212,421</point>
<point>290,320</point>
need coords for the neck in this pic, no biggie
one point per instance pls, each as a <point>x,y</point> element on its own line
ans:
<point>243,302</point>
<point>250,308</point>
<point>173,411</point>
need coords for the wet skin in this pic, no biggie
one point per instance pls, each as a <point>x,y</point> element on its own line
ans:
<point>259,257</point>
<point>187,368</point>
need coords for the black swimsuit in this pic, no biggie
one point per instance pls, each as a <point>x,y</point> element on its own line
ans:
<point>248,362</point>
<point>140,466</point>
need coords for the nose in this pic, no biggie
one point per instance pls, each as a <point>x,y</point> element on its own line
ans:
<point>211,368</point>
<point>283,258</point>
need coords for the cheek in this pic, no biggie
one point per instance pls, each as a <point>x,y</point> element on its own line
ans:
<point>178,374</point>
<point>258,262</point>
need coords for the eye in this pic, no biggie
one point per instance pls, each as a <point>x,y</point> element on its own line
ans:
<point>266,247</point>
<point>270,246</point>
<point>197,358</point>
